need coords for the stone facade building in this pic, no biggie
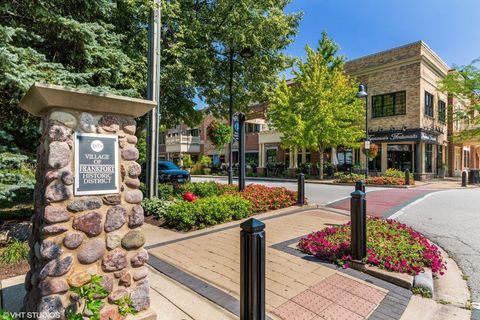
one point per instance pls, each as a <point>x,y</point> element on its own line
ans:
<point>408,119</point>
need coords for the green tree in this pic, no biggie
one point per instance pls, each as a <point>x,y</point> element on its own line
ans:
<point>464,83</point>
<point>319,110</point>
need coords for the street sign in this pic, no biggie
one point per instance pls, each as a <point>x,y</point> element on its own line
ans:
<point>367,145</point>
<point>235,128</point>
<point>96,164</point>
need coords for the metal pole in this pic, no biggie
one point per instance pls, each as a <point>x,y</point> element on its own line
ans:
<point>241,151</point>
<point>360,185</point>
<point>252,270</point>
<point>230,145</point>
<point>358,216</point>
<point>301,189</point>
<point>464,178</point>
<point>366,136</point>
<point>153,93</point>
<point>407,177</point>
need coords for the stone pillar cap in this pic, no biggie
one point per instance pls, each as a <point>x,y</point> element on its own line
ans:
<point>41,97</point>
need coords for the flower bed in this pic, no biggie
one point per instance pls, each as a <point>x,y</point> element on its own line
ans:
<point>197,205</point>
<point>387,179</point>
<point>391,245</point>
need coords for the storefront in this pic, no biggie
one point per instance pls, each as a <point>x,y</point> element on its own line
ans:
<point>419,150</point>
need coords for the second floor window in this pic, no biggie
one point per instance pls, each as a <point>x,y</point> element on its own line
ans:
<point>428,104</point>
<point>442,116</point>
<point>390,104</point>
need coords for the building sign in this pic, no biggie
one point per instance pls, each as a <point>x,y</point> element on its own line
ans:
<point>236,128</point>
<point>416,135</point>
<point>96,164</point>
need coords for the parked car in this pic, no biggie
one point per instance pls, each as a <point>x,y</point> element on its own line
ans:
<point>169,172</point>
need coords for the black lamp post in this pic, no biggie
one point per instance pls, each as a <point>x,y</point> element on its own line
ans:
<point>244,53</point>
<point>362,93</point>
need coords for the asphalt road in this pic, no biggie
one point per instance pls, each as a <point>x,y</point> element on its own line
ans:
<point>451,218</point>
<point>316,193</point>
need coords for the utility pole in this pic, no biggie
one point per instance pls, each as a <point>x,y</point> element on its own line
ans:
<point>153,93</point>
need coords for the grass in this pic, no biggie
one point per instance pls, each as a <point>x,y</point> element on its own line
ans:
<point>422,292</point>
<point>15,252</point>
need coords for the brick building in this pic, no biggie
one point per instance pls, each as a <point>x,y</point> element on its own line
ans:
<point>408,119</point>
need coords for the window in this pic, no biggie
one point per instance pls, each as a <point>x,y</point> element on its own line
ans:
<point>390,104</point>
<point>439,159</point>
<point>466,159</point>
<point>428,104</point>
<point>441,111</point>
<point>376,163</point>
<point>428,158</point>
<point>271,155</point>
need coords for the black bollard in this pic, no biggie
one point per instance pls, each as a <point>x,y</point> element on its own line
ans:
<point>241,152</point>
<point>358,216</point>
<point>407,177</point>
<point>464,178</point>
<point>301,189</point>
<point>360,185</point>
<point>252,270</point>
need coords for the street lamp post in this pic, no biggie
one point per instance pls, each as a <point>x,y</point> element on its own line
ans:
<point>245,53</point>
<point>362,93</point>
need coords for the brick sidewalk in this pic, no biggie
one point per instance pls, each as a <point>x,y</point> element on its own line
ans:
<point>296,288</point>
<point>385,202</point>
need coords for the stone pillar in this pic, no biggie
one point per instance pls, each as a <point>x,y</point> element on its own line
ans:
<point>384,156</point>
<point>75,236</point>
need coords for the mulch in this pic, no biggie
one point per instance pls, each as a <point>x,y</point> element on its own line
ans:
<point>13,270</point>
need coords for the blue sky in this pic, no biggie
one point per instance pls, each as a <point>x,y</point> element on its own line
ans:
<point>450,27</point>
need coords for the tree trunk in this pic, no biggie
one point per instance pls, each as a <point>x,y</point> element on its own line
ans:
<point>320,170</point>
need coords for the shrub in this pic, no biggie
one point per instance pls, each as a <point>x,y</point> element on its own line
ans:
<point>390,179</point>
<point>187,161</point>
<point>185,215</point>
<point>206,161</point>
<point>391,245</point>
<point>394,173</point>
<point>265,198</point>
<point>204,189</point>
<point>157,207</point>
<point>342,177</point>
<point>15,252</point>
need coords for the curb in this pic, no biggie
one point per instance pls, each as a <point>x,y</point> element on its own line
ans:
<point>424,281</point>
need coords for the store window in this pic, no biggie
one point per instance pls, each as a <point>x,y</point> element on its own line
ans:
<point>345,159</point>
<point>390,104</point>
<point>376,163</point>
<point>439,158</point>
<point>271,155</point>
<point>466,158</point>
<point>399,156</point>
<point>428,104</point>
<point>428,158</point>
<point>442,115</point>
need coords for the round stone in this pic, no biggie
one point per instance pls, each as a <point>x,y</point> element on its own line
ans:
<point>107,283</point>
<point>139,258</point>
<point>73,240</point>
<point>132,139</point>
<point>87,122</point>
<point>114,260</point>
<point>51,176</point>
<point>59,133</point>
<point>140,274</point>
<point>130,153</point>
<point>79,279</point>
<point>134,170</point>
<point>133,240</point>
<point>109,123</point>
<point>116,218</point>
<point>56,192</point>
<point>113,240</point>
<point>140,296</point>
<point>130,127</point>
<point>90,223</point>
<point>65,118</point>
<point>50,305</point>
<point>117,295</point>
<point>55,215</point>
<point>125,280</point>
<point>49,250</point>
<point>110,312</point>
<point>112,199</point>
<point>134,196</point>
<point>136,217</point>
<point>132,183</point>
<point>83,204</point>
<point>56,268</point>
<point>67,177</point>
<point>58,154</point>
<point>91,251</point>
<point>54,229</point>
<point>122,142</point>
<point>52,286</point>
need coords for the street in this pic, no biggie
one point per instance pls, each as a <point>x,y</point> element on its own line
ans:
<point>451,219</point>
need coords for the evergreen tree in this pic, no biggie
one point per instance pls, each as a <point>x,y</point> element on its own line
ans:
<point>319,110</point>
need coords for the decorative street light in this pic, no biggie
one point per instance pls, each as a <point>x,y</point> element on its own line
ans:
<point>244,53</point>
<point>362,93</point>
